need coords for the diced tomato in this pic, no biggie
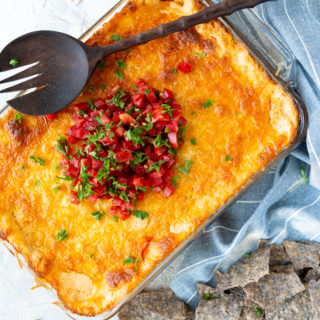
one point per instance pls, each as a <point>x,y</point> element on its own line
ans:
<point>173,139</point>
<point>114,157</point>
<point>51,116</point>
<point>74,197</point>
<point>167,94</point>
<point>72,139</point>
<point>168,191</point>
<point>99,103</point>
<point>127,119</point>
<point>124,156</point>
<point>139,100</point>
<point>185,67</point>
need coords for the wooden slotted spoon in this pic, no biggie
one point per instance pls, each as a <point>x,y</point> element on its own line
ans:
<point>65,64</point>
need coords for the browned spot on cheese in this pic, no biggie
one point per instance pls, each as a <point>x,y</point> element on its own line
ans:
<point>115,278</point>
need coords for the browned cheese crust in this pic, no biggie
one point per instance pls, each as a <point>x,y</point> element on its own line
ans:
<point>252,120</point>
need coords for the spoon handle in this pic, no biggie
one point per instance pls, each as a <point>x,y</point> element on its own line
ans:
<point>223,8</point>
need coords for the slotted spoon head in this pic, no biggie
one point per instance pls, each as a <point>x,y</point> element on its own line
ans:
<point>62,70</point>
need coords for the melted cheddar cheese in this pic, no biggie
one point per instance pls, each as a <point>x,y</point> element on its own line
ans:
<point>251,121</point>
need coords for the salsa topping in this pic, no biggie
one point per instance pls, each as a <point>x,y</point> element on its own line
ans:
<point>121,146</point>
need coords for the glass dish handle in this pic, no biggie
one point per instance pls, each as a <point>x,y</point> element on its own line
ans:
<point>266,43</point>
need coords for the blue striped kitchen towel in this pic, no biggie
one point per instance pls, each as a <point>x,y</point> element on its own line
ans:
<point>280,206</point>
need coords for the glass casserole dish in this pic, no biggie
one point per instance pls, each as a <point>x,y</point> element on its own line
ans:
<point>278,64</point>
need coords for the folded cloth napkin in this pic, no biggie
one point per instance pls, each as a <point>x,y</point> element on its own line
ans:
<point>280,206</point>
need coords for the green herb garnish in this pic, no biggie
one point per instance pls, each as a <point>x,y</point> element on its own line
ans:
<point>200,55</point>
<point>141,214</point>
<point>98,215</point>
<point>115,219</point>
<point>174,70</point>
<point>91,256</point>
<point>23,167</point>
<point>228,158</point>
<point>193,141</point>
<point>155,166</point>
<point>185,169</point>
<point>120,66</point>
<point>103,86</point>
<point>130,260</point>
<point>175,180</point>
<point>91,88</point>
<point>116,37</point>
<point>14,62</point>
<point>258,311</point>
<point>56,188</point>
<point>37,183</point>
<point>101,64</point>
<point>303,175</point>
<point>207,104</point>
<point>37,160</point>
<point>206,296</point>
<point>18,116</point>
<point>62,235</point>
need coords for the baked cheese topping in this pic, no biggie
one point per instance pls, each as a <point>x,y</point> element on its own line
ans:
<point>238,119</point>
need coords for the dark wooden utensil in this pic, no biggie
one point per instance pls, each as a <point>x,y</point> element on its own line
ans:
<point>65,64</point>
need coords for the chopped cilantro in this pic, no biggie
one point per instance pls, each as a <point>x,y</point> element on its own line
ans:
<point>130,260</point>
<point>62,235</point>
<point>91,88</point>
<point>102,86</point>
<point>303,175</point>
<point>141,214</point>
<point>115,219</point>
<point>206,296</point>
<point>133,134</point>
<point>174,70</point>
<point>167,109</point>
<point>175,180</point>
<point>92,106</point>
<point>58,166</point>
<point>116,37</point>
<point>207,104</point>
<point>18,116</point>
<point>14,62</point>
<point>258,311</point>
<point>193,141</point>
<point>98,215</point>
<point>200,55</point>
<point>185,169</point>
<point>158,141</point>
<point>146,91</point>
<point>81,113</point>
<point>155,166</point>
<point>66,178</point>
<point>148,117</point>
<point>101,64</point>
<point>37,183</point>
<point>138,157</point>
<point>56,188</point>
<point>23,167</point>
<point>181,132</point>
<point>135,87</point>
<point>116,99</point>
<point>123,196</point>
<point>228,158</point>
<point>37,160</point>
<point>120,66</point>
<point>91,256</point>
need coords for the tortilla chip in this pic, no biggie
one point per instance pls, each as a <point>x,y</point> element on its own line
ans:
<point>249,313</point>
<point>133,311</point>
<point>246,270</point>
<point>314,292</point>
<point>296,308</point>
<point>310,275</point>
<point>205,289</point>
<point>164,303</point>
<point>274,288</point>
<point>282,268</point>
<point>303,255</point>
<point>278,255</point>
<point>226,307</point>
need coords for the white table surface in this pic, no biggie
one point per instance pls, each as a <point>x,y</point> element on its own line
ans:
<point>17,17</point>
